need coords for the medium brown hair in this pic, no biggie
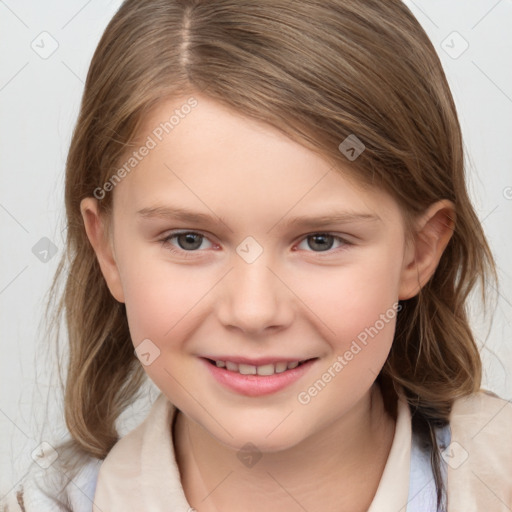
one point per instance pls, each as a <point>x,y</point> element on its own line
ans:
<point>318,70</point>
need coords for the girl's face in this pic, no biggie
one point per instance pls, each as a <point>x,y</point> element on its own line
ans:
<point>232,243</point>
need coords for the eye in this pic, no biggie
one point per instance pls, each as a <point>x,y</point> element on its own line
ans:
<point>185,243</point>
<point>188,241</point>
<point>322,242</point>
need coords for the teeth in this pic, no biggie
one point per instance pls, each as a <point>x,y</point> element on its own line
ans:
<point>232,367</point>
<point>266,369</point>
<point>281,367</point>
<point>249,369</point>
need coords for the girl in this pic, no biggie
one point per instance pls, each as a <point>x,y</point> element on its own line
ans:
<point>267,215</point>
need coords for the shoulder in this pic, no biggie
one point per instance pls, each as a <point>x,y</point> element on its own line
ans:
<point>479,457</point>
<point>482,421</point>
<point>49,489</point>
<point>482,411</point>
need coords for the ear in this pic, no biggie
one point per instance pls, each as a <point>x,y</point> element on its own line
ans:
<point>433,232</point>
<point>99,237</point>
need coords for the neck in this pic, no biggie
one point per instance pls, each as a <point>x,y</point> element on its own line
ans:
<point>339,468</point>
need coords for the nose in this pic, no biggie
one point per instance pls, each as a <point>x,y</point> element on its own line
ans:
<point>254,299</point>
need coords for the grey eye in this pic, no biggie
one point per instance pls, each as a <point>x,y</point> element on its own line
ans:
<point>189,241</point>
<point>320,242</point>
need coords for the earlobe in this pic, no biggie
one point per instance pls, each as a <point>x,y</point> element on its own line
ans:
<point>101,243</point>
<point>433,232</point>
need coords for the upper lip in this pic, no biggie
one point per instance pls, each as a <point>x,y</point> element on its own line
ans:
<point>259,361</point>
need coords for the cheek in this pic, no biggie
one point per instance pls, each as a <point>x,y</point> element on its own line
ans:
<point>358,307</point>
<point>159,295</point>
<point>160,304</point>
<point>349,300</point>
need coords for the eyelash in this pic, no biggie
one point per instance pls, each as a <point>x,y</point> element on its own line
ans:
<point>191,254</point>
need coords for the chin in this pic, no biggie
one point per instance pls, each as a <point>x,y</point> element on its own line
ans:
<point>262,434</point>
<point>260,443</point>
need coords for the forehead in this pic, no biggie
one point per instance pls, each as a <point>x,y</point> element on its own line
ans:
<point>210,155</point>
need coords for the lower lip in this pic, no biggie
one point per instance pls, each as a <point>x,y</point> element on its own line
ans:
<point>257,385</point>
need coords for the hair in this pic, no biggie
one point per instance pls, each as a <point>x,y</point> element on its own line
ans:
<point>319,71</point>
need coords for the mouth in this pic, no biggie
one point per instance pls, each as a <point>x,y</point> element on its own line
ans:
<point>256,378</point>
<point>253,369</point>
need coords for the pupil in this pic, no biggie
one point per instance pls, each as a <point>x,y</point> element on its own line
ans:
<point>189,238</point>
<point>321,242</point>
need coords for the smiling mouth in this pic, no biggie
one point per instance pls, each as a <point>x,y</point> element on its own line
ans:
<point>263,370</point>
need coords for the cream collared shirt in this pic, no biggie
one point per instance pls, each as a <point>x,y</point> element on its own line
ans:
<point>479,462</point>
<point>140,473</point>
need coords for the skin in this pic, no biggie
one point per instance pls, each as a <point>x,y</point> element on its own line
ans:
<point>293,301</point>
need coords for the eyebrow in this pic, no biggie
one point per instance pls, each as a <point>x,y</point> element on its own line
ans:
<point>304,221</point>
<point>176,213</point>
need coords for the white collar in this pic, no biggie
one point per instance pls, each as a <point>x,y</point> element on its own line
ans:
<point>141,473</point>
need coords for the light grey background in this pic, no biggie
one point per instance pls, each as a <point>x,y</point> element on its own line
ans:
<point>39,101</point>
